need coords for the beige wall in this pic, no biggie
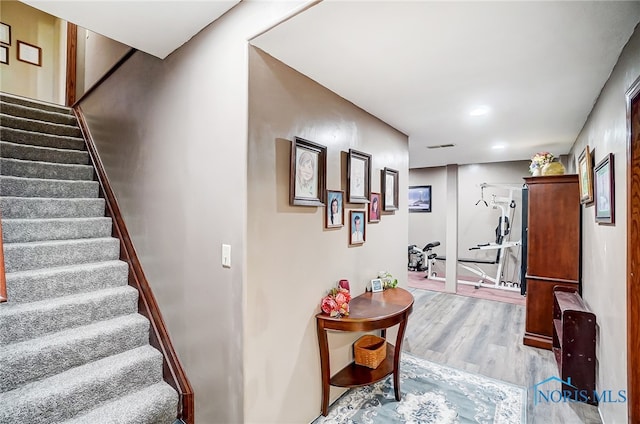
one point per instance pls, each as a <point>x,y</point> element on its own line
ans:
<point>173,138</point>
<point>291,259</point>
<point>604,248</point>
<point>476,223</point>
<point>39,29</point>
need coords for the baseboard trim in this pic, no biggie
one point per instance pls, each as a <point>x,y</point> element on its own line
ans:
<point>173,373</point>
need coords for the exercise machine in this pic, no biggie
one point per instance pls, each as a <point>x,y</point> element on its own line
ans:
<point>502,245</point>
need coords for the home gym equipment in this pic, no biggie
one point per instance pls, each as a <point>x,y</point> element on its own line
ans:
<point>502,246</point>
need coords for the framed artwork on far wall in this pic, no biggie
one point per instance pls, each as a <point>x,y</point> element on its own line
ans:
<point>420,198</point>
<point>5,33</point>
<point>585,176</point>
<point>358,177</point>
<point>29,53</point>
<point>389,185</point>
<point>357,228</point>
<point>334,216</point>
<point>4,55</point>
<point>308,173</point>
<point>374,207</point>
<point>604,190</point>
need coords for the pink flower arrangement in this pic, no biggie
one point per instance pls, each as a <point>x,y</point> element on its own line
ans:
<point>336,303</point>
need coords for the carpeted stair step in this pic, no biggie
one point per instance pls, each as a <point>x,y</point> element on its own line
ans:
<point>43,154</point>
<point>18,136</point>
<point>37,114</point>
<point>10,121</point>
<point>79,389</point>
<point>27,321</point>
<point>7,98</point>
<point>43,284</point>
<point>156,404</point>
<point>44,254</point>
<point>37,187</point>
<point>26,230</point>
<point>43,207</point>
<point>54,171</point>
<point>24,362</point>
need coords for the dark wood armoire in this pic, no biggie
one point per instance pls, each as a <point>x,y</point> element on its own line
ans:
<point>553,250</point>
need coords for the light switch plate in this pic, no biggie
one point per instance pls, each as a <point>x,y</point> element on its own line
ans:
<point>226,255</point>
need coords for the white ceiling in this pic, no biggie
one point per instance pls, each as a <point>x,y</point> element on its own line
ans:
<point>421,66</point>
<point>157,27</point>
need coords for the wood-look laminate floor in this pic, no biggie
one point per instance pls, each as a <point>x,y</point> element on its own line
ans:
<point>485,337</point>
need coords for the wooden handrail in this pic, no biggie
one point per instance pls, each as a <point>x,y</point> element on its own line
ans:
<point>173,373</point>
<point>3,278</point>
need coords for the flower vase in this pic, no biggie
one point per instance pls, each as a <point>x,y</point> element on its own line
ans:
<point>553,168</point>
<point>535,172</point>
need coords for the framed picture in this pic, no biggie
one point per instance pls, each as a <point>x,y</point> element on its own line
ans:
<point>334,218</point>
<point>420,198</point>
<point>358,176</point>
<point>376,285</point>
<point>4,55</point>
<point>357,228</point>
<point>308,173</point>
<point>29,53</point>
<point>604,192</point>
<point>585,176</point>
<point>5,34</point>
<point>389,185</point>
<point>374,207</point>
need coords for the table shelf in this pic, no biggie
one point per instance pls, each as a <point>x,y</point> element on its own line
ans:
<point>354,375</point>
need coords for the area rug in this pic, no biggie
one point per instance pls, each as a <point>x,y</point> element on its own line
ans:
<point>431,393</point>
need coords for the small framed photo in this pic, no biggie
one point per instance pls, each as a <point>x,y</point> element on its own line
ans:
<point>308,173</point>
<point>585,176</point>
<point>358,176</point>
<point>334,218</point>
<point>376,285</point>
<point>5,33</point>
<point>29,53</point>
<point>4,55</point>
<point>389,189</point>
<point>375,207</point>
<point>604,192</point>
<point>420,198</point>
<point>357,228</point>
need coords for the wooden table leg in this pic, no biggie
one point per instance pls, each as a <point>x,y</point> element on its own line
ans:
<point>324,366</point>
<point>396,357</point>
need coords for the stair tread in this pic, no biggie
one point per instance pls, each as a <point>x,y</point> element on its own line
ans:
<point>60,269</point>
<point>43,163</point>
<point>81,386</point>
<point>61,242</point>
<point>50,180</point>
<point>49,128</point>
<point>43,148</point>
<point>141,406</point>
<point>25,361</point>
<point>10,308</point>
<point>20,100</point>
<point>4,105</point>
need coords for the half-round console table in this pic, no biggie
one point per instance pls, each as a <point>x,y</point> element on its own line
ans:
<point>367,312</point>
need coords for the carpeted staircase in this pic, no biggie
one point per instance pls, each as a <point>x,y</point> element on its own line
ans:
<point>73,347</point>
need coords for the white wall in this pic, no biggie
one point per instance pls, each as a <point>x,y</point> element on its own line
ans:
<point>292,261</point>
<point>604,247</point>
<point>173,138</point>
<point>476,223</point>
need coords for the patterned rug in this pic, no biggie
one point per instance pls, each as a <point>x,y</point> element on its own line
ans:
<point>431,393</point>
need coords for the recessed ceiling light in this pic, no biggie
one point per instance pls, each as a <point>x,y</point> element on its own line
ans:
<point>498,146</point>
<point>479,111</point>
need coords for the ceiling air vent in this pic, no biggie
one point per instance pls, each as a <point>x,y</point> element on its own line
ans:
<point>440,146</point>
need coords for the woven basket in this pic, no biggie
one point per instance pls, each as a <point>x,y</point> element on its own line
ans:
<point>370,350</point>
